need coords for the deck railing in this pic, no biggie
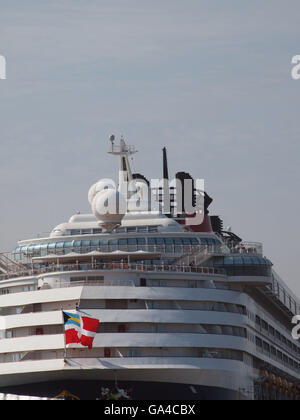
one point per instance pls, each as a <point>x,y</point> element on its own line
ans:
<point>53,268</point>
<point>110,248</point>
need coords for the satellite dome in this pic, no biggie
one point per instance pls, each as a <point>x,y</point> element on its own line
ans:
<point>109,206</point>
<point>103,184</point>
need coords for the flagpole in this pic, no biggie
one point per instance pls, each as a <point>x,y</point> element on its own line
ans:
<point>65,346</point>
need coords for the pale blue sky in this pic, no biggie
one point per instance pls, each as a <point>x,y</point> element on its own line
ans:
<point>208,79</point>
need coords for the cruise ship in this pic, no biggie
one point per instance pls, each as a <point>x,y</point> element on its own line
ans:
<point>188,311</point>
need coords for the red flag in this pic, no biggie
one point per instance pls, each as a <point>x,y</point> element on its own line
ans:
<point>80,329</point>
<point>88,331</point>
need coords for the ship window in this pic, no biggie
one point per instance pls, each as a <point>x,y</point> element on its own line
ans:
<point>18,249</point>
<point>169,245</point>
<point>30,249</point>
<point>141,242</point>
<point>95,243</point>
<point>96,231</point>
<point>131,229</point>
<point>44,249</point>
<point>247,260</point>
<point>142,229</point>
<point>123,241</point>
<point>86,231</point>
<point>178,241</point>
<point>258,342</point>
<point>37,250</point>
<point>218,261</point>
<point>271,330</point>
<point>279,355</point>
<point>87,245</point>
<point>67,247</point>
<point>132,242</point>
<point>16,255</point>
<point>113,244</point>
<point>75,232</point>
<point>120,230</point>
<point>59,247</point>
<point>151,241</point>
<point>152,228</point>
<point>194,241</point>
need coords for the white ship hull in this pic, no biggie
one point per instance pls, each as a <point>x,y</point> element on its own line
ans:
<point>185,312</point>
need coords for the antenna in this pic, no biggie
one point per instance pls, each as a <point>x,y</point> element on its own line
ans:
<point>112,140</point>
<point>166,187</point>
<point>124,151</point>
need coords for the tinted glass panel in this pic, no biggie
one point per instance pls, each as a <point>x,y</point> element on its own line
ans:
<point>67,244</point>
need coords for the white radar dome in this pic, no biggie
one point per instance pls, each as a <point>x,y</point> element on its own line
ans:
<point>109,206</point>
<point>103,184</point>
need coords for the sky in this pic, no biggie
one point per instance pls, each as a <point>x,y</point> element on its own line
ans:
<point>209,80</point>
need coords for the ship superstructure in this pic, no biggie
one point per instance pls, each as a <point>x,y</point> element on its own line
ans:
<point>186,312</point>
